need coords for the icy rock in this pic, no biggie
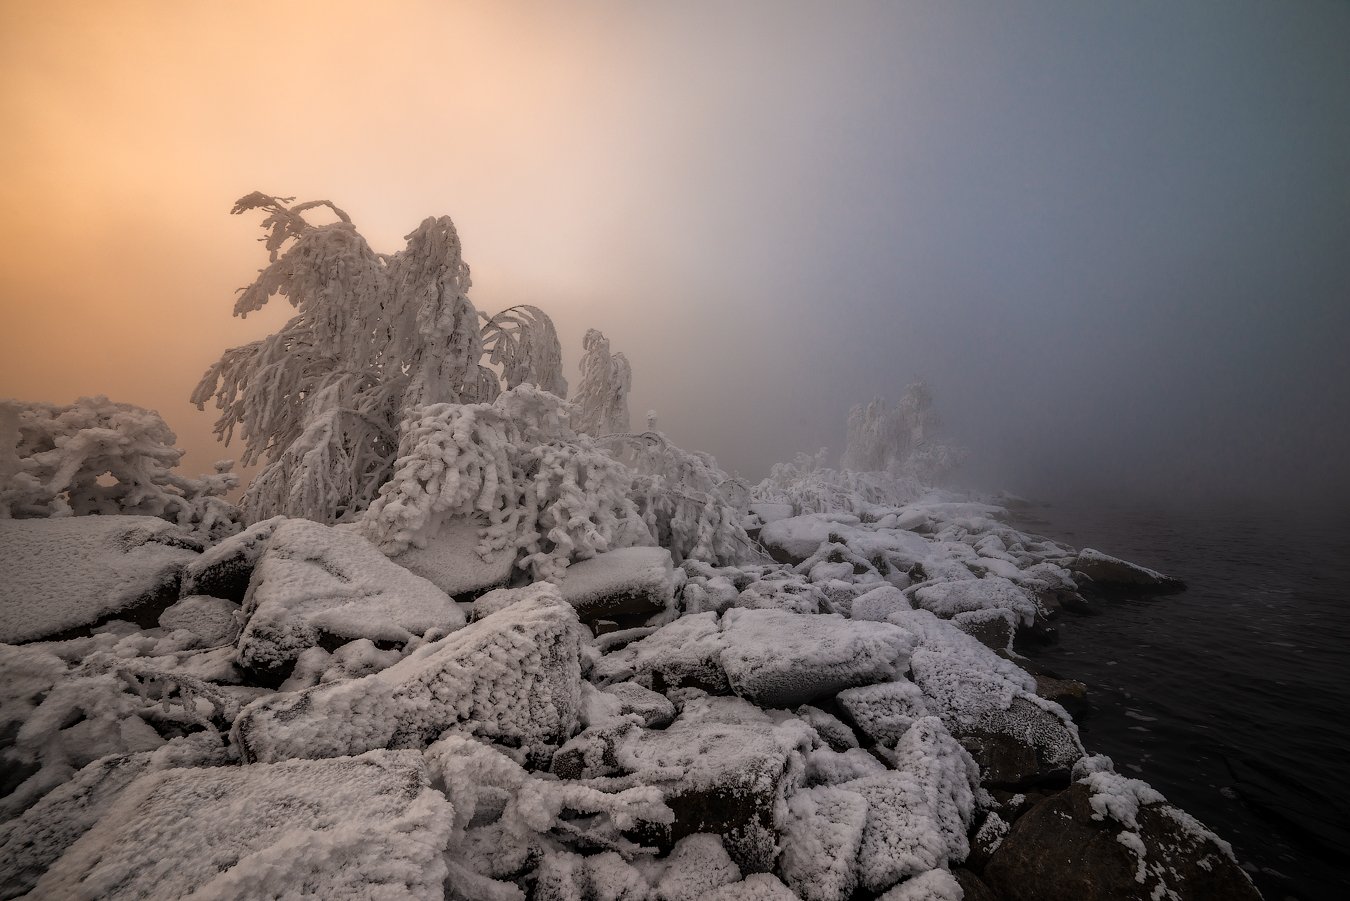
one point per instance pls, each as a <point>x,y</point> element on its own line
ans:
<point>993,627</point>
<point>795,539</point>
<point>791,595</point>
<point>513,678</point>
<point>879,603</point>
<point>832,730</point>
<point>885,711</point>
<point>1112,837</point>
<point>759,887</point>
<point>315,584</point>
<point>935,885</point>
<point>62,574</point>
<point>1067,693</point>
<point>722,770</point>
<point>628,582</point>
<point>698,865</point>
<point>778,659</point>
<point>685,653</point>
<point>716,594</point>
<point>821,841</point>
<point>947,599</point>
<point>451,559</point>
<point>224,570</point>
<point>990,705</point>
<point>768,513</point>
<point>368,826</point>
<point>564,876</point>
<point>825,766</point>
<point>654,710</point>
<point>214,621</point>
<point>918,816</point>
<point>1109,573</point>
<point>31,842</point>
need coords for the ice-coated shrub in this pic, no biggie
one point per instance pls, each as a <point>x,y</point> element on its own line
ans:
<point>602,397</point>
<point>100,456</point>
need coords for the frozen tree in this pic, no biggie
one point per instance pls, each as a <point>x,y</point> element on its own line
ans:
<point>543,488</point>
<point>897,440</point>
<point>812,487</point>
<point>602,396</point>
<point>98,456</point>
<point>690,506</point>
<point>524,343</point>
<point>375,336</point>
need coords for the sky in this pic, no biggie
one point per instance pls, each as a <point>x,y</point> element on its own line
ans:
<point>1114,238</point>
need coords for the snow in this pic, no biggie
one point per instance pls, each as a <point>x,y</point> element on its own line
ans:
<point>67,572</point>
<point>885,711</point>
<point>624,581</point>
<point>935,885</point>
<point>947,599</point>
<point>513,677</point>
<point>685,652</point>
<point>821,842</point>
<point>879,603</point>
<point>314,580</point>
<point>223,570</point>
<point>346,828</point>
<point>799,536</point>
<point>451,560</point>
<point>759,887</point>
<point>698,865</point>
<point>214,621</point>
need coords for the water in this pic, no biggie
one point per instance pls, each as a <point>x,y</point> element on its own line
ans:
<point>1233,697</point>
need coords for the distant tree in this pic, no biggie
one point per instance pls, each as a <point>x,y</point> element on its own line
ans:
<point>896,440</point>
<point>376,336</point>
<point>99,456</point>
<point>602,397</point>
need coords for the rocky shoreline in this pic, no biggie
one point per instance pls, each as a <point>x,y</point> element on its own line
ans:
<point>847,719</point>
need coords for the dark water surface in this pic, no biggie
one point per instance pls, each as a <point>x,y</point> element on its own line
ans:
<point>1233,697</point>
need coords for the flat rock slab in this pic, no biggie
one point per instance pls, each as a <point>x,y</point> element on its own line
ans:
<point>778,659</point>
<point>225,569</point>
<point>359,827</point>
<point>1110,574</point>
<point>513,678</point>
<point>315,584</point>
<point>628,582</point>
<point>65,573</point>
<point>451,560</point>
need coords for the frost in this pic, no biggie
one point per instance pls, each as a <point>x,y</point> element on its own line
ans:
<point>624,581</point>
<point>314,581</point>
<point>779,659</point>
<point>62,573</point>
<point>947,599</point>
<point>602,396</point>
<point>821,842</point>
<point>513,677</point>
<point>334,829</point>
<point>884,712</point>
<point>97,456</point>
<point>698,865</point>
<point>935,885</point>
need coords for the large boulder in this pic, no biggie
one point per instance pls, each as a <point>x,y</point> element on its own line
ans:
<point>451,559</point>
<point>1109,837</point>
<point>990,705</point>
<point>513,678</point>
<point>947,599</point>
<point>215,621</point>
<point>885,711</point>
<point>724,768</point>
<point>683,654</point>
<point>1108,574</point>
<point>361,827</point>
<point>631,582</point>
<point>778,659</point>
<point>225,569</point>
<point>796,538</point>
<point>317,586</point>
<point>61,576</point>
<point>821,842</point>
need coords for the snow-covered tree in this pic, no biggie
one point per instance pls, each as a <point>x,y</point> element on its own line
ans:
<point>98,456</point>
<point>375,337</point>
<point>897,440</point>
<point>690,506</point>
<point>602,396</point>
<point>542,487</point>
<point>524,343</point>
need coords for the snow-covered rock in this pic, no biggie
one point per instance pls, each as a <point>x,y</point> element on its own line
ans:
<point>879,603</point>
<point>451,559</point>
<point>315,584</point>
<point>1110,837</point>
<point>628,582</point>
<point>993,627</point>
<point>778,659</point>
<point>361,827</point>
<point>1107,573</point>
<point>513,678</point>
<point>796,538</point>
<point>69,572</point>
<point>224,570</point>
<point>947,599</point>
<point>698,865</point>
<point>885,711</point>
<point>685,653</point>
<point>821,842</point>
<point>215,621</point>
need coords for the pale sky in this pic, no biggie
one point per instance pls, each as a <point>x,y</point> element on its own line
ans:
<point>1114,237</point>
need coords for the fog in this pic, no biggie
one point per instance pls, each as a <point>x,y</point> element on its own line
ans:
<point>1114,238</point>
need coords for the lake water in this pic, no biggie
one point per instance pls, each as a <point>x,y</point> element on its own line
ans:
<point>1233,697</point>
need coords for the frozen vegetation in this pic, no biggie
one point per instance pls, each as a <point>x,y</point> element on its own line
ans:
<point>465,638</point>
